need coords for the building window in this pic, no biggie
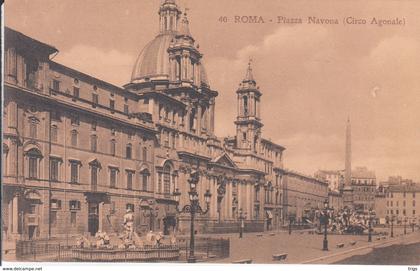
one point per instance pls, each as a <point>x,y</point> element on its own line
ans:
<point>56,85</point>
<point>126,108</point>
<point>93,143</point>
<point>112,105</point>
<point>54,133</point>
<point>166,179</point>
<point>414,212</point>
<point>74,138</point>
<point>128,151</point>
<point>34,156</point>
<point>112,147</point>
<point>404,203</point>
<point>74,119</point>
<point>397,211</point>
<point>76,93</point>
<point>74,205</point>
<point>414,203</point>
<point>54,166</point>
<point>414,194</point>
<point>74,171</point>
<point>73,216</point>
<point>55,204</point>
<point>95,99</point>
<point>404,212</point>
<point>145,179</point>
<point>33,167</point>
<point>129,180</point>
<point>113,177</point>
<point>245,105</point>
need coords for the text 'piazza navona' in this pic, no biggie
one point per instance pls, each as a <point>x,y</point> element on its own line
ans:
<point>78,151</point>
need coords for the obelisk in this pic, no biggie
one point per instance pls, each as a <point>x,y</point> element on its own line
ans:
<point>348,190</point>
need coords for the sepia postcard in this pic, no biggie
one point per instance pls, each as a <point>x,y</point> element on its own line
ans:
<point>191,134</point>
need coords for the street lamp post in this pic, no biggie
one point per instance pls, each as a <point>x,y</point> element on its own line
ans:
<point>392,226</point>
<point>325,218</point>
<point>370,226</point>
<point>192,208</point>
<point>241,220</point>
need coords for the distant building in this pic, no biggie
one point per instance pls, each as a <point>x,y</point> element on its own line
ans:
<point>363,183</point>
<point>302,193</point>
<point>401,200</point>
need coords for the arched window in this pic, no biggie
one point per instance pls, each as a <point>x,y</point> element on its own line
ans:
<point>93,143</point>
<point>112,147</point>
<point>178,68</point>
<point>95,165</point>
<point>34,156</point>
<point>74,138</point>
<point>245,105</point>
<point>166,179</point>
<point>255,143</point>
<point>145,179</point>
<point>128,151</point>
<point>192,119</point>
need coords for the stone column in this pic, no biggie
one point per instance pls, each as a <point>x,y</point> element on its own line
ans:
<point>15,215</point>
<point>100,215</point>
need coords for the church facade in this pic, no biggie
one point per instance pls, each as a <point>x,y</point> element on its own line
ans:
<point>78,151</point>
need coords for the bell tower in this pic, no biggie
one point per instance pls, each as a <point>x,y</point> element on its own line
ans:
<point>248,120</point>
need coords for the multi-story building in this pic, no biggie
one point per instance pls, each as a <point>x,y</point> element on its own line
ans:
<point>401,201</point>
<point>363,183</point>
<point>78,151</point>
<point>301,194</point>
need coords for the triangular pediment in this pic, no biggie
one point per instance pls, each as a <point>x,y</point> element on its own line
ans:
<point>225,160</point>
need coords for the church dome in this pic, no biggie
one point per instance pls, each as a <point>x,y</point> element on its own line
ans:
<point>153,62</point>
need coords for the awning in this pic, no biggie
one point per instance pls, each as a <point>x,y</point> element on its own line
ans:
<point>269,214</point>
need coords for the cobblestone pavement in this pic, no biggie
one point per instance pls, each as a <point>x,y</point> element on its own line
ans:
<point>306,248</point>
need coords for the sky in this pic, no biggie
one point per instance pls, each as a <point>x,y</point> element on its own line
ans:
<point>312,76</point>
